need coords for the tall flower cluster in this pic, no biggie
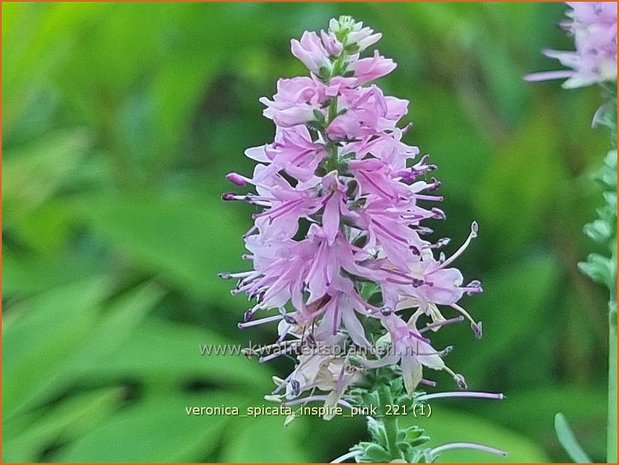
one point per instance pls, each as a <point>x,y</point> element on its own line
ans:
<point>594,28</point>
<point>593,25</point>
<point>340,249</point>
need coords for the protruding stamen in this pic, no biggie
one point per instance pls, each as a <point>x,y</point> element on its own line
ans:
<point>440,323</point>
<point>471,394</point>
<point>252,322</point>
<point>472,235</point>
<point>436,184</point>
<point>458,378</point>
<point>348,455</point>
<point>431,198</point>
<point>237,179</point>
<point>442,242</point>
<point>226,275</point>
<point>460,381</point>
<point>474,287</point>
<point>465,445</point>
<point>445,352</point>
<point>296,387</point>
<point>475,326</point>
<point>230,196</point>
<point>424,230</point>
<point>407,128</point>
<point>474,229</point>
<point>477,329</point>
<point>419,169</point>
<point>438,214</point>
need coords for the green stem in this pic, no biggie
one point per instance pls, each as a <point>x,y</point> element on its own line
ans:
<point>391,430</point>
<point>611,444</point>
<point>611,455</point>
<point>390,422</point>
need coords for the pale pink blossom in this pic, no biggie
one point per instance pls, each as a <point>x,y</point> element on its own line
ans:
<point>369,69</point>
<point>311,51</point>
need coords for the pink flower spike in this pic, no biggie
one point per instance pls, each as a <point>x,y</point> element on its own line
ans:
<point>339,237</point>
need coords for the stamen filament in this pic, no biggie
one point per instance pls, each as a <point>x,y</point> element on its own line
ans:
<point>472,235</point>
<point>349,455</point>
<point>472,394</point>
<point>437,324</point>
<point>268,319</point>
<point>466,445</point>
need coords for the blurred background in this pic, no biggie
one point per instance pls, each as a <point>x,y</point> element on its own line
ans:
<point>119,124</point>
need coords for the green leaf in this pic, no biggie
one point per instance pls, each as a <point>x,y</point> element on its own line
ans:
<point>186,239</point>
<point>568,440</point>
<point>29,435</point>
<point>119,321</point>
<point>61,320</point>
<point>160,352</point>
<point>30,274</point>
<point>34,173</point>
<point>71,331</point>
<point>247,438</point>
<point>598,268</point>
<point>157,429</point>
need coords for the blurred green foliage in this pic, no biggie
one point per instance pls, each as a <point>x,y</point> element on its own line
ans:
<point>120,122</point>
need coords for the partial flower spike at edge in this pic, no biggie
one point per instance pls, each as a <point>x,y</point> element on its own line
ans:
<point>342,266</point>
<point>593,26</point>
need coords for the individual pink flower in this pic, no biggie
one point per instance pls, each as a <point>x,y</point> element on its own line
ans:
<point>365,112</point>
<point>311,51</point>
<point>295,101</point>
<point>411,350</point>
<point>370,69</point>
<point>331,44</point>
